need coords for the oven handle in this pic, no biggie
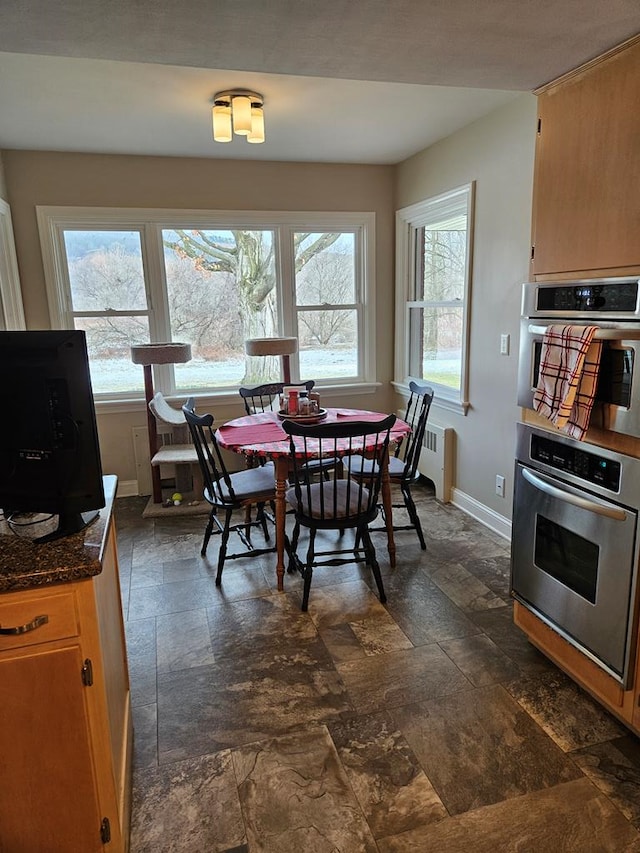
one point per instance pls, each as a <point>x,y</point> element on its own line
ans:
<point>584,503</point>
<point>603,334</point>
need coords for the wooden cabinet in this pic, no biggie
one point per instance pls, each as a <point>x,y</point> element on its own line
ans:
<point>586,205</point>
<point>65,733</point>
<point>586,223</point>
<point>623,704</point>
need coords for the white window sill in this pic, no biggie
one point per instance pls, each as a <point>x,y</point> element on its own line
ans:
<point>440,399</point>
<point>225,398</point>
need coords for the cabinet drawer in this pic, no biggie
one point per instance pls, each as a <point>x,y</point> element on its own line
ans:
<point>22,612</point>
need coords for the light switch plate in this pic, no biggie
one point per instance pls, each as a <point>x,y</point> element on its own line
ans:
<point>504,344</point>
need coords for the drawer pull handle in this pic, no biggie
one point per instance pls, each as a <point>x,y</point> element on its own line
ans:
<point>24,629</point>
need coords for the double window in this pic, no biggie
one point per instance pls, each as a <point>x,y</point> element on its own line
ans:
<point>212,280</point>
<point>433,244</point>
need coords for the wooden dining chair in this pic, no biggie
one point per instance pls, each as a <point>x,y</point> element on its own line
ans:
<point>263,398</point>
<point>337,504</point>
<point>403,464</point>
<point>227,492</point>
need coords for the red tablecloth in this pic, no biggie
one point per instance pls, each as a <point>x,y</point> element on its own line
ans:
<point>262,434</point>
<point>264,430</point>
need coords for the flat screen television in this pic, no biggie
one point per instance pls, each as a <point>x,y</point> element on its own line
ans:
<point>49,450</point>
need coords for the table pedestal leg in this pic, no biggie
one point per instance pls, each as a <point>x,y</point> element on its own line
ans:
<point>282,469</point>
<point>388,512</point>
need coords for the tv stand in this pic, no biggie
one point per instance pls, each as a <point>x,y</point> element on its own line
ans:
<point>68,523</point>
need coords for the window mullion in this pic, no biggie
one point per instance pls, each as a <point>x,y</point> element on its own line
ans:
<point>155,282</point>
<point>285,273</point>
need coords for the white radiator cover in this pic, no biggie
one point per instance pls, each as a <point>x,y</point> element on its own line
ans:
<point>436,459</point>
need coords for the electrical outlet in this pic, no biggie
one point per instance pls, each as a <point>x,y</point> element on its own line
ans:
<point>505,341</point>
<point>499,486</point>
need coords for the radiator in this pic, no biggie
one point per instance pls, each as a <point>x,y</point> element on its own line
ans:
<point>436,459</point>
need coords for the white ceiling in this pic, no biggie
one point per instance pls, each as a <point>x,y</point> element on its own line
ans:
<point>366,81</point>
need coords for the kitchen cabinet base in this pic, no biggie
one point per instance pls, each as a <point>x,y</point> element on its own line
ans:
<point>605,689</point>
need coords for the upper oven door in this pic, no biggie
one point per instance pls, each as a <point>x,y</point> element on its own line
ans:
<point>618,411</point>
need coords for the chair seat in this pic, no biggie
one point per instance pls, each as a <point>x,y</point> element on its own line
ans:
<point>357,463</point>
<point>332,499</point>
<point>249,484</point>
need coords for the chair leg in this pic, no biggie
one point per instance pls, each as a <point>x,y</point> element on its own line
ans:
<point>207,533</point>
<point>293,565</point>
<point>370,553</point>
<point>262,518</point>
<point>413,514</point>
<point>308,571</point>
<point>223,545</point>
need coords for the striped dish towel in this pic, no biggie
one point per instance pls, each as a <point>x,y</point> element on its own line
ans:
<point>568,377</point>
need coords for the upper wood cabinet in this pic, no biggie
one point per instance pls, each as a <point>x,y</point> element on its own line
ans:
<point>586,202</point>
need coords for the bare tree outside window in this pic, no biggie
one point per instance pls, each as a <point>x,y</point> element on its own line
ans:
<point>133,277</point>
<point>250,309</point>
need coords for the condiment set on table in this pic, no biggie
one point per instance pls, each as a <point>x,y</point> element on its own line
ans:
<point>299,405</point>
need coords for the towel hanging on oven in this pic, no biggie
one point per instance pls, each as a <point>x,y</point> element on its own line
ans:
<point>567,377</point>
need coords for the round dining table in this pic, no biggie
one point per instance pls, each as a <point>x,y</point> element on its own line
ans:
<point>261,435</point>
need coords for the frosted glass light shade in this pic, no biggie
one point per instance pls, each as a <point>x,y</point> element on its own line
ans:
<point>238,111</point>
<point>241,115</point>
<point>257,125</point>
<point>222,122</point>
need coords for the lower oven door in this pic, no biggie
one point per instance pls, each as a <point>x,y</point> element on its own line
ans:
<point>573,565</point>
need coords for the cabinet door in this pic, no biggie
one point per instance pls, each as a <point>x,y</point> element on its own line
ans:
<point>587,174</point>
<point>49,800</point>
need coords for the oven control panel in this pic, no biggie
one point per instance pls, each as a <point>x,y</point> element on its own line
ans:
<point>590,467</point>
<point>587,297</point>
<point>596,298</point>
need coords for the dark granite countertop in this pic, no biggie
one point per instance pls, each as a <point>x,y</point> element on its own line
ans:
<point>24,564</point>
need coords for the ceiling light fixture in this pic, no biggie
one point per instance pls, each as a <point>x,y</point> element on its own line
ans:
<point>238,111</point>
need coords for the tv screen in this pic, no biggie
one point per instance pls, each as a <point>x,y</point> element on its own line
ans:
<point>49,450</point>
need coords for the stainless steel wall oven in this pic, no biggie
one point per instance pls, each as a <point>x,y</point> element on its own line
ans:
<point>613,305</point>
<point>574,560</point>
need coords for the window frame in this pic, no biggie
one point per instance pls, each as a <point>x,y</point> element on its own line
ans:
<point>409,220</point>
<point>11,308</point>
<point>54,220</point>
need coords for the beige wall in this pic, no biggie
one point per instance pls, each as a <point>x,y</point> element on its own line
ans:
<point>47,178</point>
<point>3,186</point>
<point>497,153</point>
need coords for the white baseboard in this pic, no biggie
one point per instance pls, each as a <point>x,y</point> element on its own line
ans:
<point>493,520</point>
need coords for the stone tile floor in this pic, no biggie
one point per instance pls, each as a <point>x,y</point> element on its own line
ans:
<point>428,724</point>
